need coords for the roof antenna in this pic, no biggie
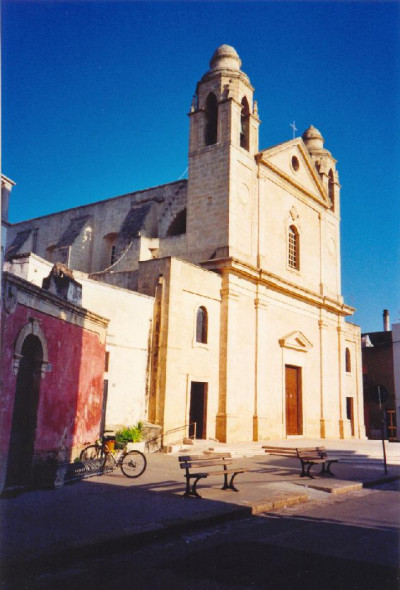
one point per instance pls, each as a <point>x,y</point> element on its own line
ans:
<point>293,126</point>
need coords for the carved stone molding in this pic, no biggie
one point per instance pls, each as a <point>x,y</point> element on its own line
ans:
<point>10,299</point>
<point>293,213</point>
<point>31,328</point>
<point>297,341</point>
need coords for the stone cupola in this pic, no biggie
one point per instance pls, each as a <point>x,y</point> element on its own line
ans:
<point>313,140</point>
<point>325,164</point>
<point>223,109</point>
<point>225,57</point>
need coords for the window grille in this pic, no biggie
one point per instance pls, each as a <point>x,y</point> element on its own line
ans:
<point>293,254</point>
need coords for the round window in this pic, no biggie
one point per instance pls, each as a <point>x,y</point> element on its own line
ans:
<point>295,163</point>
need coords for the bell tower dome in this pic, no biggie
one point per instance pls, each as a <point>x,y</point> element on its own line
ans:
<point>325,164</point>
<point>223,132</point>
<point>223,109</point>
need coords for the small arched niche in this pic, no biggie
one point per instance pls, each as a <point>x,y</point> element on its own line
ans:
<point>178,225</point>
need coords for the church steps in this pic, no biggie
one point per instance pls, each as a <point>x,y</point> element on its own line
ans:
<point>366,453</point>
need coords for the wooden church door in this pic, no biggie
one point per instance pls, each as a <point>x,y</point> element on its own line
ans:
<point>294,413</point>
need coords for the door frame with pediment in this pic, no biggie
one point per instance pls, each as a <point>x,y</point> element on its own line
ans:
<point>294,346</point>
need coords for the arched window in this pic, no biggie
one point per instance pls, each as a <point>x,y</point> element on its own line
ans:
<point>331,188</point>
<point>201,325</point>
<point>244,124</point>
<point>211,119</point>
<point>293,248</point>
<point>110,249</point>
<point>348,361</point>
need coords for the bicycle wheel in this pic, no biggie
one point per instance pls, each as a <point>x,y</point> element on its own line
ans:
<point>133,464</point>
<point>93,452</point>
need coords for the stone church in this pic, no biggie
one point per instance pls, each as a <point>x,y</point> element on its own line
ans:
<point>236,269</point>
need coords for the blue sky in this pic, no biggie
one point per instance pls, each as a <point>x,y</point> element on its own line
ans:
<point>96,95</point>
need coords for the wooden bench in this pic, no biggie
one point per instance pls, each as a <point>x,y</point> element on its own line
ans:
<point>210,465</point>
<point>308,456</point>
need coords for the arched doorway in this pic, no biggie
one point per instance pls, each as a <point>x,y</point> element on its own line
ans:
<point>23,428</point>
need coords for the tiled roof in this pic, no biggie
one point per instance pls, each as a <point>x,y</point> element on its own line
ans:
<point>18,242</point>
<point>72,232</point>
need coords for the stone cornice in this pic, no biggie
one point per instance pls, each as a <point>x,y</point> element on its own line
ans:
<point>275,283</point>
<point>224,73</point>
<point>26,290</point>
<point>6,180</point>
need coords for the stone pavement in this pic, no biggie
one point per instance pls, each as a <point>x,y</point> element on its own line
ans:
<point>110,512</point>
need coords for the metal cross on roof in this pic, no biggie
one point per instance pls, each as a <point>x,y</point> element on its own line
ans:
<point>293,126</point>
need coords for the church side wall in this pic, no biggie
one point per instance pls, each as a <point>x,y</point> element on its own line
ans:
<point>353,389</point>
<point>187,361</point>
<point>237,360</point>
<point>90,251</point>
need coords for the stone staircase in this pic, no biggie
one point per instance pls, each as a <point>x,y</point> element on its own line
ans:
<point>348,451</point>
<point>199,446</point>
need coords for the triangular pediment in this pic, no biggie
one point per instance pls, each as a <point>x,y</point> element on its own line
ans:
<point>297,341</point>
<point>291,161</point>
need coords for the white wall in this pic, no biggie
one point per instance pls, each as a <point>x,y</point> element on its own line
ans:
<point>130,316</point>
<point>396,369</point>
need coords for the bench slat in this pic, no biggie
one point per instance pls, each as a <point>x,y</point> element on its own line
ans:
<point>279,448</point>
<point>223,472</point>
<point>283,451</point>
<point>204,457</point>
<point>200,464</point>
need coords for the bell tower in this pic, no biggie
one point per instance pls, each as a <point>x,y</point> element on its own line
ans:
<point>325,165</point>
<point>223,142</point>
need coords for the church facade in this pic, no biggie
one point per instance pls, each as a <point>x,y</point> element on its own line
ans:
<point>241,261</point>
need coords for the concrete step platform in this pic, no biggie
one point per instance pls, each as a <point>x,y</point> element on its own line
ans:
<point>333,486</point>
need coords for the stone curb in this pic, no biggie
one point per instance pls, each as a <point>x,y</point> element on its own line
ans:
<point>277,502</point>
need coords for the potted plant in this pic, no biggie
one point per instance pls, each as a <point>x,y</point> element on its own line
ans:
<point>132,437</point>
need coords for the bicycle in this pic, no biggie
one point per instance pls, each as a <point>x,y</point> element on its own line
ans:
<point>131,463</point>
